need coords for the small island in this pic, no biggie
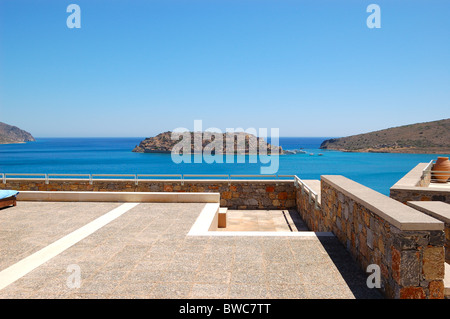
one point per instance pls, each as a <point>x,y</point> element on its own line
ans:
<point>429,137</point>
<point>163,143</point>
<point>11,135</point>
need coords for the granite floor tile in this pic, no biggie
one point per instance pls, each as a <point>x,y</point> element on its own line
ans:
<point>248,277</point>
<point>209,291</point>
<point>171,291</point>
<point>246,291</point>
<point>213,277</point>
<point>287,291</point>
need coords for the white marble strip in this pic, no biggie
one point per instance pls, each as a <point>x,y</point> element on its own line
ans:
<point>305,234</point>
<point>206,225</point>
<point>206,220</point>
<point>23,267</point>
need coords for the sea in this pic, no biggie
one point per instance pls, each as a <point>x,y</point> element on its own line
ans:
<point>378,171</point>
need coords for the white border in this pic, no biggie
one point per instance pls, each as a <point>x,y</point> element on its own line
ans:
<point>206,224</point>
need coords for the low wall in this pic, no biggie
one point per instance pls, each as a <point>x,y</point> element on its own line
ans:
<point>234,194</point>
<point>407,245</point>
<point>407,194</point>
<point>311,213</point>
<point>413,188</point>
<point>440,211</point>
<point>121,197</point>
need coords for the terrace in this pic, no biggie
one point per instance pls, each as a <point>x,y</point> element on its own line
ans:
<point>160,238</point>
<point>147,253</point>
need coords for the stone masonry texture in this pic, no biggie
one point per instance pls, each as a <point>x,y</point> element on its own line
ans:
<point>233,194</point>
<point>407,195</point>
<point>411,262</point>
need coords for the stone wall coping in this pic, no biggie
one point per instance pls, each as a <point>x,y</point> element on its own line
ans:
<point>401,216</point>
<point>439,210</point>
<point>412,178</point>
<point>314,184</point>
<point>429,189</point>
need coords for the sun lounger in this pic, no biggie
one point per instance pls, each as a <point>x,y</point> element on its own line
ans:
<point>8,198</point>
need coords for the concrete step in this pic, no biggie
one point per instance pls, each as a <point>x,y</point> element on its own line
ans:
<point>222,220</point>
<point>447,281</point>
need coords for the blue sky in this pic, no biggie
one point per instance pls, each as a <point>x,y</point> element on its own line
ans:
<point>136,68</point>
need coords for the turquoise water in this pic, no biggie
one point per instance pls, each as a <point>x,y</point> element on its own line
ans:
<point>113,156</point>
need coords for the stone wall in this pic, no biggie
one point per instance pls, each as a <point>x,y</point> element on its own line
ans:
<point>405,195</point>
<point>440,211</point>
<point>407,245</point>
<point>311,213</point>
<point>234,194</point>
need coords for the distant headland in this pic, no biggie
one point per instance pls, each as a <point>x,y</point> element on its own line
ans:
<point>11,134</point>
<point>163,143</point>
<point>428,137</point>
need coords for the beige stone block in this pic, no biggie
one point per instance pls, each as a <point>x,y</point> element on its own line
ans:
<point>222,220</point>
<point>436,289</point>
<point>433,263</point>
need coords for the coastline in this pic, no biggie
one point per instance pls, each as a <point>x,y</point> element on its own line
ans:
<point>11,143</point>
<point>394,151</point>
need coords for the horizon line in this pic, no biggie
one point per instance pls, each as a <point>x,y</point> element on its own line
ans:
<point>44,137</point>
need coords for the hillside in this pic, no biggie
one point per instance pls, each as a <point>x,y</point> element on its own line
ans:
<point>162,143</point>
<point>11,134</point>
<point>428,137</point>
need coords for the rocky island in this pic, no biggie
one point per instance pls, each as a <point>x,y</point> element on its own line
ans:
<point>11,134</point>
<point>163,143</point>
<point>429,137</point>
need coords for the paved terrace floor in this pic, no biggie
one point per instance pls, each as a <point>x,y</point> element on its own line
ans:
<point>146,253</point>
<point>264,220</point>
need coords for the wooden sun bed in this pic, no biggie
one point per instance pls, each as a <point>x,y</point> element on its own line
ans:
<point>8,198</point>
<point>10,201</point>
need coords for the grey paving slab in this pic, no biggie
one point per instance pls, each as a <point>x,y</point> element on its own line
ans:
<point>31,226</point>
<point>146,253</point>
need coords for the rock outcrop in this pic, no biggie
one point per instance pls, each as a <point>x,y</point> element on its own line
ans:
<point>163,143</point>
<point>429,137</point>
<point>11,134</point>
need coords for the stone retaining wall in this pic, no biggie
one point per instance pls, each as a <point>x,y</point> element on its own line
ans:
<point>236,194</point>
<point>405,195</point>
<point>407,245</point>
